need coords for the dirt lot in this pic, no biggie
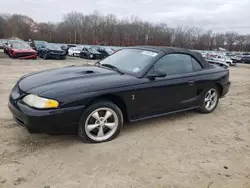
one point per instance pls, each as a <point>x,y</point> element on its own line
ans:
<point>183,150</point>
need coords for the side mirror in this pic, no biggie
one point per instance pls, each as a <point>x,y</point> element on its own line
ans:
<point>156,74</point>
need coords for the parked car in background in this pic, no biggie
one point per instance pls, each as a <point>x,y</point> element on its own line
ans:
<point>2,43</point>
<point>133,84</point>
<point>216,62</point>
<point>225,59</point>
<point>75,51</point>
<point>22,51</point>
<point>105,51</point>
<point>90,53</point>
<point>8,45</point>
<point>51,51</point>
<point>37,44</point>
<point>236,58</point>
<point>67,47</point>
<point>245,59</point>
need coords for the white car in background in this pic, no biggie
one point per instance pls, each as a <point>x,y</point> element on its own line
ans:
<point>225,59</point>
<point>75,51</point>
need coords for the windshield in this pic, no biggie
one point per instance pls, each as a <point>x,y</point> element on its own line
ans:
<point>3,41</point>
<point>13,41</point>
<point>92,50</point>
<point>77,49</point>
<point>130,60</point>
<point>53,47</point>
<point>21,46</point>
<point>109,50</point>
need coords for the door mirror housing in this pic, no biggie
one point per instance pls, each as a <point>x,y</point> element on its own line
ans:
<point>156,74</point>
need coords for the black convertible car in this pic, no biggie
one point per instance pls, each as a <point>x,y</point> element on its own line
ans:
<point>51,51</point>
<point>133,84</point>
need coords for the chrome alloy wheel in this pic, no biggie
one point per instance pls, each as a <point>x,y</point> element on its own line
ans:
<point>211,99</point>
<point>101,124</point>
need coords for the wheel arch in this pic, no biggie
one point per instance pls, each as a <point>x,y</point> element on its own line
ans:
<point>220,88</point>
<point>115,99</point>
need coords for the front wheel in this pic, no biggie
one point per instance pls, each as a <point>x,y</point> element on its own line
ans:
<point>209,100</point>
<point>45,55</point>
<point>101,122</point>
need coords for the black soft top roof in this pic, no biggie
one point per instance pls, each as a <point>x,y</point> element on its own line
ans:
<point>168,50</point>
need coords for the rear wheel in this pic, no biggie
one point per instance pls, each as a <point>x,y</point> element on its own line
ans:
<point>101,122</point>
<point>209,100</point>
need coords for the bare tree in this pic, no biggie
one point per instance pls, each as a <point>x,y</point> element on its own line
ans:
<point>240,40</point>
<point>219,40</point>
<point>231,39</point>
<point>96,28</point>
<point>2,26</point>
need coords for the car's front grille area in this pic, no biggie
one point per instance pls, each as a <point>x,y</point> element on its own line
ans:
<point>54,52</point>
<point>19,55</point>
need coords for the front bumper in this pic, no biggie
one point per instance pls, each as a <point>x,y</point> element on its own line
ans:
<point>63,120</point>
<point>56,56</point>
<point>21,56</point>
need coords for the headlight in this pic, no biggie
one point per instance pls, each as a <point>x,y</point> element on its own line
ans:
<point>39,102</point>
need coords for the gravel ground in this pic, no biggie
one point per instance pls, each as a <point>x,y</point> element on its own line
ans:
<point>182,150</point>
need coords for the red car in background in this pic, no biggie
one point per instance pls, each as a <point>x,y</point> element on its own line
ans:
<point>22,51</point>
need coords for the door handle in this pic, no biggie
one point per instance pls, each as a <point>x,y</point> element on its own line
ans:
<point>190,83</point>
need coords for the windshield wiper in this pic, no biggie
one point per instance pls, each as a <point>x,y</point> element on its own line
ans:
<point>97,63</point>
<point>112,67</point>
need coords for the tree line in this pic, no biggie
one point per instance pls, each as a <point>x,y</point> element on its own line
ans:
<point>78,28</point>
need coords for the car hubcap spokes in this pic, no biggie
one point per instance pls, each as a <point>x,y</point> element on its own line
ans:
<point>211,99</point>
<point>101,124</point>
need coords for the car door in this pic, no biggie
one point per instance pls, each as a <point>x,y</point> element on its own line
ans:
<point>175,91</point>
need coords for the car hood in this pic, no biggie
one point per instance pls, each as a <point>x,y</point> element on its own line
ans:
<point>73,79</point>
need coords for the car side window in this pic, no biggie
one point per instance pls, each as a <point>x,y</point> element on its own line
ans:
<point>196,65</point>
<point>173,64</point>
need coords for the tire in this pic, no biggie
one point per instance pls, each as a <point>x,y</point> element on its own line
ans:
<point>90,117</point>
<point>45,56</point>
<point>204,107</point>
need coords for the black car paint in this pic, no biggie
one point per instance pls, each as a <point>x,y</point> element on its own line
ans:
<point>76,87</point>
<point>246,59</point>
<point>104,52</point>
<point>46,52</point>
<point>87,53</point>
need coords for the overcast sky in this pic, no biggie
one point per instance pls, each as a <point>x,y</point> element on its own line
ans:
<point>218,15</point>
